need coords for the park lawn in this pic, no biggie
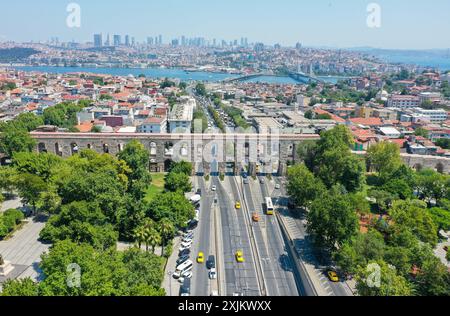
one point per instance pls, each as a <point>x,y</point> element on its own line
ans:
<point>156,187</point>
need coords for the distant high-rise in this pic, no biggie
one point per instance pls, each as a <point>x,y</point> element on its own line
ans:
<point>98,41</point>
<point>117,40</point>
<point>214,42</point>
<point>150,41</point>
<point>108,41</point>
<point>133,41</point>
<point>298,45</point>
<point>160,40</point>
<point>127,40</point>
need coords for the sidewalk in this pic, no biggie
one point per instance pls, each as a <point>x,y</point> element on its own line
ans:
<point>24,250</point>
<point>170,285</point>
<point>304,251</point>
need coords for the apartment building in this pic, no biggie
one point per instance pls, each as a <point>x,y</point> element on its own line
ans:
<point>403,101</point>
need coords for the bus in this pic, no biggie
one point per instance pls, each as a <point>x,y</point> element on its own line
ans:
<point>269,206</point>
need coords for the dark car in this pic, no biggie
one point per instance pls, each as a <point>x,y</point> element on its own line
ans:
<point>193,224</point>
<point>199,192</point>
<point>185,252</point>
<point>182,259</point>
<point>211,263</point>
<point>185,289</point>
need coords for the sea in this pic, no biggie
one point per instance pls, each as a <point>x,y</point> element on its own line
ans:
<point>170,73</point>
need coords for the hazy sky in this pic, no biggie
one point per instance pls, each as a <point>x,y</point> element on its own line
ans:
<point>415,24</point>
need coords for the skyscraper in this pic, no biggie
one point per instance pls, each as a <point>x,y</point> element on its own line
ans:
<point>117,40</point>
<point>127,40</point>
<point>160,40</point>
<point>98,41</point>
<point>133,41</point>
<point>108,41</point>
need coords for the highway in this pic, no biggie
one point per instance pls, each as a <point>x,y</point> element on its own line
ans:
<point>276,261</point>
<point>203,239</point>
<point>239,277</point>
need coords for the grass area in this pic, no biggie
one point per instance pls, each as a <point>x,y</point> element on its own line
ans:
<point>156,187</point>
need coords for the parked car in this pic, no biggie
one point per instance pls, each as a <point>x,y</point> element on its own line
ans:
<point>246,181</point>
<point>277,186</point>
<point>184,252</point>
<point>182,259</point>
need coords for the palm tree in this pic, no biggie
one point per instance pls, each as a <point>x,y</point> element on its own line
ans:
<point>152,238</point>
<point>139,235</point>
<point>167,230</point>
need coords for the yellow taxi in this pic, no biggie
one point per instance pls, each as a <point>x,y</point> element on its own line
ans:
<point>238,205</point>
<point>240,257</point>
<point>332,275</point>
<point>201,257</point>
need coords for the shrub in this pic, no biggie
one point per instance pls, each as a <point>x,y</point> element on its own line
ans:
<point>15,215</point>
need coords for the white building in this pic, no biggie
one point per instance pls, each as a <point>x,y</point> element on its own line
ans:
<point>390,132</point>
<point>153,125</point>
<point>180,118</point>
<point>436,116</point>
<point>403,101</point>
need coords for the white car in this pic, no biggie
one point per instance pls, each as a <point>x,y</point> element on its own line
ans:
<point>187,240</point>
<point>214,188</point>
<point>183,248</point>
<point>187,275</point>
<point>186,243</point>
<point>277,186</point>
<point>212,274</point>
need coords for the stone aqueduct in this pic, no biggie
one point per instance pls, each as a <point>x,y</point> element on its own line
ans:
<point>212,151</point>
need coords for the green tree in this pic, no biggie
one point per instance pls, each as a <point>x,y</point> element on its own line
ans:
<point>81,222</point>
<point>173,206</point>
<point>8,179</point>
<point>334,162</point>
<point>433,278</point>
<point>30,188</point>
<point>182,167</point>
<point>390,283</point>
<point>20,288</point>
<point>16,140</point>
<point>384,158</point>
<point>421,132</point>
<point>41,165</point>
<point>167,232</point>
<point>432,185</point>
<point>178,182</point>
<point>443,143</point>
<point>303,187</point>
<point>360,250</point>
<point>414,215</point>
<point>200,89</point>
<point>441,218</point>
<point>332,219</point>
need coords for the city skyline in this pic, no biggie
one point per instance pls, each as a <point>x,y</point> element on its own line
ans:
<point>319,24</point>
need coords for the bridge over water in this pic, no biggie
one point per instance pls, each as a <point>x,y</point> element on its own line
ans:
<point>297,76</point>
<point>276,151</point>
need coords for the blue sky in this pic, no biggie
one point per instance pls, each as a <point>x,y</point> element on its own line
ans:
<point>405,24</point>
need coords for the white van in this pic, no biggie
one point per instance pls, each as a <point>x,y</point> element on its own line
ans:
<point>185,266</point>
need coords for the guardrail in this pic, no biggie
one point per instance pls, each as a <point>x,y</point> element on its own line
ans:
<point>297,259</point>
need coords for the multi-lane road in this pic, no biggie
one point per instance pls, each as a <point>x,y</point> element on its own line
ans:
<point>270,268</point>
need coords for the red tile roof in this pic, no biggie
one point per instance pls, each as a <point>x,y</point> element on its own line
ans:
<point>371,121</point>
